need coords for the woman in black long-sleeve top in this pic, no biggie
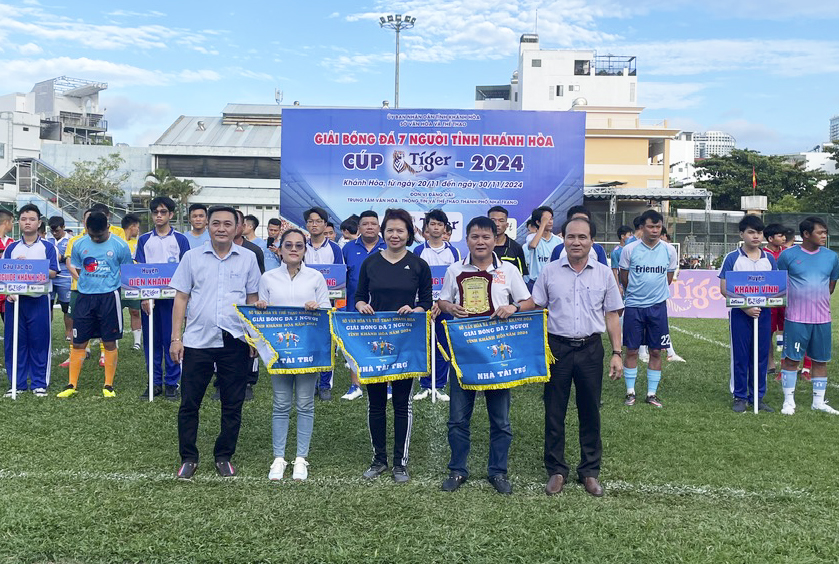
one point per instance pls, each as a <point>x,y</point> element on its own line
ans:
<point>393,280</point>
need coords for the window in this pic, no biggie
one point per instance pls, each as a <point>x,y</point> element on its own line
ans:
<point>559,90</point>
<point>536,63</point>
<point>573,88</point>
<point>582,68</point>
<point>2,150</point>
<point>516,97</point>
<point>26,129</point>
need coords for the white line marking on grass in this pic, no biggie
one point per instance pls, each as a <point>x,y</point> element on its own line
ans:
<point>700,337</point>
<point>527,488</point>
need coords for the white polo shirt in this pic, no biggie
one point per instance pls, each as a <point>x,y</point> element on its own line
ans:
<point>279,289</point>
<point>507,282</point>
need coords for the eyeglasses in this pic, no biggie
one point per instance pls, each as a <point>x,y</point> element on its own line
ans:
<point>289,246</point>
<point>314,222</point>
<point>160,212</point>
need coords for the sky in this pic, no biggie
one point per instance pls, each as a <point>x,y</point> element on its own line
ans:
<point>765,71</point>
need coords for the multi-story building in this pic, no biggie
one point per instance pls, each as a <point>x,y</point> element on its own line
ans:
<point>712,144</point>
<point>834,129</point>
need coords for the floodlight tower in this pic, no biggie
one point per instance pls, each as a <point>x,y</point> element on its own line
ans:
<point>397,23</point>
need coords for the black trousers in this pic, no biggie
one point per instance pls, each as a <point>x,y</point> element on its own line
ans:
<point>231,364</point>
<point>402,420</point>
<point>583,366</point>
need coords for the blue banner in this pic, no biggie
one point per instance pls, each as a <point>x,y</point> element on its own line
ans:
<point>384,346</point>
<point>336,278</point>
<point>438,274</point>
<point>147,281</point>
<point>462,161</point>
<point>493,354</point>
<point>745,288</point>
<point>25,277</point>
<point>290,340</point>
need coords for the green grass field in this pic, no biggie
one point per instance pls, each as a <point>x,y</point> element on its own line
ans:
<point>89,480</point>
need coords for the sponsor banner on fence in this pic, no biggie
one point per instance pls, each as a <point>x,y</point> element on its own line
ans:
<point>461,161</point>
<point>148,281</point>
<point>25,277</point>
<point>492,354</point>
<point>696,293</point>
<point>384,346</point>
<point>290,340</point>
<point>336,278</point>
<point>756,289</point>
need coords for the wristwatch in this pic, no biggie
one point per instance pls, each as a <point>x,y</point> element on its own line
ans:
<point>518,307</point>
<point>619,353</point>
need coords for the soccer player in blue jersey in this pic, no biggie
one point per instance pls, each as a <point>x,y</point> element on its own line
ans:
<point>624,233</point>
<point>33,312</point>
<point>812,271</point>
<point>97,257</point>
<point>749,257</point>
<point>61,283</point>
<point>436,252</point>
<point>161,245</point>
<point>646,271</point>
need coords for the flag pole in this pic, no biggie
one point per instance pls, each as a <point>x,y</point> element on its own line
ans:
<point>15,321</point>
<point>150,345</point>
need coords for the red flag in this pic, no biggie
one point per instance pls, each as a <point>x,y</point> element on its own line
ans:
<point>754,178</point>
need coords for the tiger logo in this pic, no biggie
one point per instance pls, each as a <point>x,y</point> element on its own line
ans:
<point>399,163</point>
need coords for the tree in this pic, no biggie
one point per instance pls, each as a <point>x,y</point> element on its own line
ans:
<point>730,177</point>
<point>94,182</point>
<point>162,183</point>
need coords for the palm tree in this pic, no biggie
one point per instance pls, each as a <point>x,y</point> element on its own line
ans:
<point>162,183</point>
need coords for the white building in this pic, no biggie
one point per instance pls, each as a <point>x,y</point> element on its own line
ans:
<point>817,159</point>
<point>712,144</point>
<point>553,79</point>
<point>834,129</point>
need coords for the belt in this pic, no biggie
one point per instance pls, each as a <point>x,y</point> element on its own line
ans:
<point>575,343</point>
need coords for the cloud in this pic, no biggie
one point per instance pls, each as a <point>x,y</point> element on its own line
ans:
<point>335,15</point>
<point>29,49</point>
<point>21,74</point>
<point>344,68</point>
<point>670,95</point>
<point>122,112</point>
<point>770,9</point>
<point>130,14</point>
<point>253,74</point>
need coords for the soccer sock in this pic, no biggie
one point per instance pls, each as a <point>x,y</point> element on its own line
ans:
<point>788,378</point>
<point>653,378</point>
<point>138,335</point>
<point>629,374</point>
<point>671,351</point>
<point>101,348</point>
<point>819,386</point>
<point>110,366</point>
<point>76,360</point>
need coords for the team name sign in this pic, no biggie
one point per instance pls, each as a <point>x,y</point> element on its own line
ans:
<point>148,281</point>
<point>756,289</point>
<point>24,277</point>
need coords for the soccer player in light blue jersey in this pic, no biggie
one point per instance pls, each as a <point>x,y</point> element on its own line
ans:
<point>647,266</point>
<point>812,271</point>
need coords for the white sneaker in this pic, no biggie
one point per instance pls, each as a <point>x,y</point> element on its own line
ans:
<point>422,394</point>
<point>301,472</point>
<point>676,358</point>
<point>823,407</point>
<point>40,392</point>
<point>442,396</point>
<point>788,408</point>
<point>277,469</point>
<point>353,393</point>
<point>644,355</point>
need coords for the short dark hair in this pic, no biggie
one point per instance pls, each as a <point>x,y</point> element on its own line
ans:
<point>573,210</point>
<point>529,223</point>
<point>773,229</point>
<point>789,233</point>
<point>751,221</point>
<point>368,213</point>
<point>228,209</point>
<point>129,220</point>
<point>318,210</point>
<point>623,230</point>
<point>275,221</point>
<point>330,224</point>
<point>292,230</point>
<point>166,201</point>
<point>252,218</point>
<point>651,215</point>
<point>480,222</point>
<point>399,214</point>
<point>42,227</point>
<point>194,207</point>
<point>809,224</point>
<point>536,216</point>
<point>499,209</point>
<point>240,215</point>
<point>350,225</point>
<point>450,227</point>
<point>592,230</point>
<point>636,222</point>
<point>55,221</point>
<point>101,208</point>
<point>97,222</point>
<point>6,214</point>
<point>29,208</point>
<point>436,215</point>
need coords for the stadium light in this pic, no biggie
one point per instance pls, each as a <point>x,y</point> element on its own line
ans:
<point>397,23</point>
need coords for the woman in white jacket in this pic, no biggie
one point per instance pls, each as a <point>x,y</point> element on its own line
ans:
<point>293,284</point>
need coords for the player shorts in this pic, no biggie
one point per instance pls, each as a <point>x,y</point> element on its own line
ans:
<point>74,295</point>
<point>62,293</point>
<point>810,338</point>
<point>778,314</point>
<point>97,315</point>
<point>646,326</point>
<point>131,304</point>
